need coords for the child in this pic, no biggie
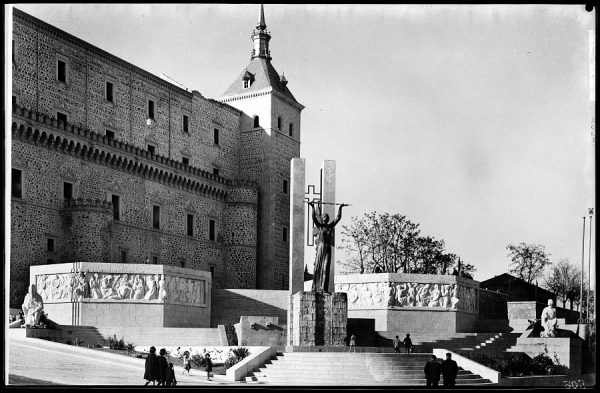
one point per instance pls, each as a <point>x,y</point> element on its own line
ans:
<point>171,381</point>
<point>186,362</point>
<point>352,343</point>
<point>208,366</point>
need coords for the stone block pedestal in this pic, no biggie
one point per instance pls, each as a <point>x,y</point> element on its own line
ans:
<point>317,319</point>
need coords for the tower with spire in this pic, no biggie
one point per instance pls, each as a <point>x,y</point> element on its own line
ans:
<point>269,138</point>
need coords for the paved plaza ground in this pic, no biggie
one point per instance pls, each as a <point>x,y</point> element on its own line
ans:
<point>40,362</point>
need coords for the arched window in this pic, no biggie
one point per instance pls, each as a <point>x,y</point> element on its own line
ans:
<point>256,122</point>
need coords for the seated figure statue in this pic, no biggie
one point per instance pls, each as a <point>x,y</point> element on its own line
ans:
<point>33,305</point>
<point>548,320</point>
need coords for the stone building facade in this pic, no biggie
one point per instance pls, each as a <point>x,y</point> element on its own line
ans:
<point>113,164</point>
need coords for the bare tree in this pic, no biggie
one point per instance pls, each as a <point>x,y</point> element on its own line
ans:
<point>563,280</point>
<point>529,260</point>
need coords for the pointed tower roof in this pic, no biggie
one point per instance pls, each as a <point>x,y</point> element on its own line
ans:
<point>260,74</point>
<point>261,19</point>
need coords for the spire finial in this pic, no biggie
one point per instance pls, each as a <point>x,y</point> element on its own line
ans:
<point>261,19</point>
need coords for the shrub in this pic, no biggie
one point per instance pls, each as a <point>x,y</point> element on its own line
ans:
<point>114,343</point>
<point>231,361</point>
<point>68,342</point>
<point>78,341</point>
<point>231,334</point>
<point>198,360</point>
<point>240,352</point>
<point>130,348</point>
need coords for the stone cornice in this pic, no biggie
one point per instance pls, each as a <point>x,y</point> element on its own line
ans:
<point>89,145</point>
<point>269,91</point>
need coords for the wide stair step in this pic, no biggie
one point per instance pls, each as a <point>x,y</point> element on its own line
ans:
<point>343,368</point>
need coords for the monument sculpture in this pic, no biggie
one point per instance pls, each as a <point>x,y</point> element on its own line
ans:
<point>33,305</point>
<point>317,317</point>
<point>324,235</point>
<point>548,320</point>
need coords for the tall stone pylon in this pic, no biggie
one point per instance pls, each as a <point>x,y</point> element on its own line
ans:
<point>328,198</point>
<point>297,230</point>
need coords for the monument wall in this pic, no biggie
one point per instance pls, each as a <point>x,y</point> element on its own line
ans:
<point>407,303</point>
<point>111,294</point>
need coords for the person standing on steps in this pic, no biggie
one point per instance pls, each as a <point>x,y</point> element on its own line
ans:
<point>433,369</point>
<point>397,345</point>
<point>151,372</point>
<point>407,343</point>
<point>449,370</point>
<point>352,343</point>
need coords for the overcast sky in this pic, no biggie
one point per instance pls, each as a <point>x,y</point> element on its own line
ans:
<point>473,121</point>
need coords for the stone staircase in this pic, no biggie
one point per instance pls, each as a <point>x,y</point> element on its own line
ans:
<point>488,343</point>
<point>343,368</point>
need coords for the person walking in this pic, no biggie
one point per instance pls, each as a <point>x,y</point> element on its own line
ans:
<point>151,369</point>
<point>352,343</point>
<point>407,343</point>
<point>187,364</point>
<point>433,369</point>
<point>449,371</point>
<point>170,379</point>
<point>397,344</point>
<point>209,366</point>
<point>163,366</point>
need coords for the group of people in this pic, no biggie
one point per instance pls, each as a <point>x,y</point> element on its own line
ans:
<point>408,345</point>
<point>158,370</point>
<point>434,368</point>
<point>162,373</point>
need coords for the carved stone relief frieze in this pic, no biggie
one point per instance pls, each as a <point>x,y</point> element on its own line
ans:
<point>121,286</point>
<point>407,294</point>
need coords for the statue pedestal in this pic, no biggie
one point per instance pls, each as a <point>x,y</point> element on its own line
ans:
<point>317,319</point>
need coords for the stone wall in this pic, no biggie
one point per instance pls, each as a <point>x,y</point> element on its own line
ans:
<point>412,302</point>
<point>83,228</point>
<point>100,294</point>
<point>230,304</point>
<point>82,97</point>
<point>317,319</point>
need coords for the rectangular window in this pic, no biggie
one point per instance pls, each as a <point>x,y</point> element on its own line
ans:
<point>109,91</point>
<point>216,136</point>
<point>17,183</point>
<point>291,129</point>
<point>156,217</point>
<point>216,171</point>
<point>14,101</point>
<point>285,235</point>
<point>61,117</point>
<point>190,225</point>
<point>150,109</point>
<point>185,161</point>
<point>116,203</point>
<point>110,135</point>
<point>246,83</point>
<point>212,271</point>
<point>123,256</point>
<point>67,190</point>
<point>13,51</point>
<point>284,186</point>
<point>182,262</point>
<point>61,71</point>
<point>211,230</point>
<point>186,124</point>
<point>50,245</point>
<point>155,259</point>
<point>279,122</point>
<point>151,149</point>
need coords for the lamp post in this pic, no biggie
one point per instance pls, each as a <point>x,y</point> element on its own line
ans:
<point>587,312</point>
<point>581,281</point>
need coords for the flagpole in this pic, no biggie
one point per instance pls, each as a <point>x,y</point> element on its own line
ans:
<point>582,267</point>
<point>587,313</point>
